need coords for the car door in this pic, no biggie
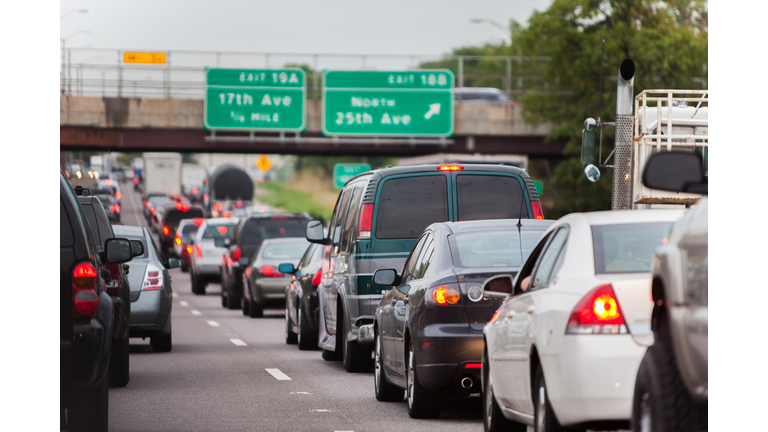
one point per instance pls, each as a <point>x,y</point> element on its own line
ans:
<point>529,315</point>
<point>331,288</point>
<point>696,265</point>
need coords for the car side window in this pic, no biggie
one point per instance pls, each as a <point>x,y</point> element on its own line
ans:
<point>411,263</point>
<point>307,256</point>
<point>424,257</point>
<point>339,217</point>
<point>348,234</point>
<point>66,237</point>
<point>546,265</point>
<point>530,263</point>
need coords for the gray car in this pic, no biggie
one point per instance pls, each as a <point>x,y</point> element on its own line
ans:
<point>263,284</point>
<point>151,293</point>
<point>207,250</point>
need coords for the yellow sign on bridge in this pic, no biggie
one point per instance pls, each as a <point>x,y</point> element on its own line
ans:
<point>142,57</point>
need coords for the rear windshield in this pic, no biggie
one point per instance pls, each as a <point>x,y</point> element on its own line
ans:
<point>627,248</point>
<point>257,230</point>
<point>219,233</point>
<point>174,216</point>
<point>409,205</point>
<point>188,231</point>
<point>67,238</point>
<point>284,250</point>
<point>489,197</point>
<point>492,248</point>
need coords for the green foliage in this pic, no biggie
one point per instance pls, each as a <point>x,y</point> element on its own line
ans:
<point>293,201</point>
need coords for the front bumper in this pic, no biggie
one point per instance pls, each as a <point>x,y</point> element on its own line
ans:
<point>150,313</point>
<point>450,348</point>
<point>592,378</point>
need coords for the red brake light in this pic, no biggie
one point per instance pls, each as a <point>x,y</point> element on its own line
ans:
<point>182,207</point>
<point>537,213</point>
<point>198,221</point>
<point>239,203</point>
<point>217,206</point>
<point>222,229</point>
<point>199,251</point>
<point>85,301</point>
<point>194,190</point>
<point>152,210</point>
<point>225,214</point>
<point>236,254</point>
<point>177,240</point>
<point>597,313</point>
<point>278,217</point>
<point>145,203</point>
<point>444,295</point>
<point>84,276</point>
<point>189,249</point>
<point>366,217</point>
<point>135,180</point>
<point>473,366</point>
<point>317,278</point>
<point>117,207</point>
<point>450,167</point>
<point>119,195</point>
<point>205,197</point>
<point>269,271</point>
<point>112,208</point>
<point>166,230</point>
<point>153,279</point>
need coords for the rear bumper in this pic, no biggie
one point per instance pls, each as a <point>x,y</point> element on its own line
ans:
<point>450,348</point>
<point>150,312</point>
<point>84,357</point>
<point>270,289</point>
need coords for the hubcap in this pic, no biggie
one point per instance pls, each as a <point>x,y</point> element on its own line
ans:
<point>646,416</point>
<point>410,377</point>
<point>541,406</point>
<point>488,400</point>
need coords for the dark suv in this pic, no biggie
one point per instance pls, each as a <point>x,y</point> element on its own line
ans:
<point>172,216</point>
<point>246,240</point>
<point>118,289</point>
<point>85,316</point>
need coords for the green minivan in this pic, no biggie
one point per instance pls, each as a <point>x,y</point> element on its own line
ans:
<point>378,217</point>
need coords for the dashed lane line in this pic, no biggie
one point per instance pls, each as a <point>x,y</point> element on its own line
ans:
<point>238,342</point>
<point>183,303</point>
<point>196,313</point>
<point>278,374</point>
<point>213,323</point>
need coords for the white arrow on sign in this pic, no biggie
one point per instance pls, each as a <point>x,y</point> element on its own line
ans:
<point>433,109</point>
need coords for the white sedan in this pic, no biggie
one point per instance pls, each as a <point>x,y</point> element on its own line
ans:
<point>565,351</point>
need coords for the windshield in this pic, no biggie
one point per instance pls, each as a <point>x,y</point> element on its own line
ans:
<point>285,250</point>
<point>627,248</point>
<point>219,233</point>
<point>492,248</point>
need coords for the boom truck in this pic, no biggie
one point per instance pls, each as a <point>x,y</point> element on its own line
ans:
<point>227,183</point>
<point>161,174</point>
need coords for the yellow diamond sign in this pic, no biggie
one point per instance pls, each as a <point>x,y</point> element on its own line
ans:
<point>263,163</point>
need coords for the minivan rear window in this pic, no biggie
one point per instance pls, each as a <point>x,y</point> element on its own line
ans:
<point>257,230</point>
<point>409,205</point>
<point>175,216</point>
<point>489,197</point>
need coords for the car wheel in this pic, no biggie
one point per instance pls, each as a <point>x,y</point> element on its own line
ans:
<point>493,419</point>
<point>89,409</point>
<point>355,358</point>
<point>118,363</point>
<point>544,417</point>
<point>184,268</point>
<point>254,309</point>
<point>307,339</point>
<point>244,306</point>
<point>661,402</point>
<point>330,355</point>
<point>385,392</point>
<point>290,336</point>
<point>421,403</point>
<point>198,285</point>
<point>161,343</point>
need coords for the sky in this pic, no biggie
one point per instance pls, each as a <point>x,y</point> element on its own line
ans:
<point>418,27</point>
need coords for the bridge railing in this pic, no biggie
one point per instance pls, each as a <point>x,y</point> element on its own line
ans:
<point>102,72</point>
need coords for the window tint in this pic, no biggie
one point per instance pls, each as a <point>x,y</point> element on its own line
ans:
<point>307,258</point>
<point>627,248</point>
<point>409,205</point>
<point>93,225</point>
<point>489,197</point>
<point>425,257</point>
<point>348,235</point>
<point>257,230</point>
<point>66,237</point>
<point>411,263</point>
<point>173,217</point>
<point>492,248</point>
<point>548,260</point>
<point>339,216</point>
<point>284,250</point>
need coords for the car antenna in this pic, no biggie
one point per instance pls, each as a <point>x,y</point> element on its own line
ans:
<point>520,226</point>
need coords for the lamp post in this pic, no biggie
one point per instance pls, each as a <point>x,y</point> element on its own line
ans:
<point>495,24</point>
<point>63,50</point>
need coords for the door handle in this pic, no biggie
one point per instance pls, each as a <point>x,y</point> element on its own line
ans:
<point>530,309</point>
<point>406,300</point>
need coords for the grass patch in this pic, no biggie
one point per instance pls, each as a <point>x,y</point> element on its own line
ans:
<point>293,201</point>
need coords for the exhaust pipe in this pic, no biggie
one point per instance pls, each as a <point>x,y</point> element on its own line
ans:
<point>624,96</point>
<point>466,383</point>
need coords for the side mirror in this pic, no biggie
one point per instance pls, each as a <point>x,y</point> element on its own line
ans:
<point>588,140</point>
<point>592,173</point>
<point>227,242</point>
<point>118,250</point>
<point>499,283</point>
<point>174,263</point>
<point>676,172</point>
<point>286,268</point>
<point>386,277</point>
<point>138,247</point>
<point>314,232</point>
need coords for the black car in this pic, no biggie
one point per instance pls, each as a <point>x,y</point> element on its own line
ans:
<point>301,302</point>
<point>118,289</point>
<point>172,216</point>
<point>428,329</point>
<point>85,317</point>
<point>246,240</point>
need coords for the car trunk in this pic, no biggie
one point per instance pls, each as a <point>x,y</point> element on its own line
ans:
<point>480,312</point>
<point>633,291</point>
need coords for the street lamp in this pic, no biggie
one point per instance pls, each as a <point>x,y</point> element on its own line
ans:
<point>63,49</point>
<point>73,11</point>
<point>493,23</point>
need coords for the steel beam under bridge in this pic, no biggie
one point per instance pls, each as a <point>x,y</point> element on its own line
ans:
<point>194,141</point>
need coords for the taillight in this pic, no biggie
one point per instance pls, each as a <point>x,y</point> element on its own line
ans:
<point>117,207</point>
<point>317,278</point>
<point>222,229</point>
<point>198,221</point>
<point>114,270</point>
<point>473,366</point>
<point>366,216</point>
<point>189,249</point>
<point>450,167</point>
<point>205,197</point>
<point>166,230</point>
<point>85,301</point>
<point>236,254</point>
<point>199,251</point>
<point>182,207</point>
<point>218,206</point>
<point>135,180</point>
<point>225,215</point>
<point>269,271</point>
<point>112,208</point>
<point>177,240</point>
<point>119,195</point>
<point>152,210</point>
<point>597,313</point>
<point>444,295</point>
<point>537,213</point>
<point>153,279</point>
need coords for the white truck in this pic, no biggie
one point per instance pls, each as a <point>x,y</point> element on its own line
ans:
<point>162,174</point>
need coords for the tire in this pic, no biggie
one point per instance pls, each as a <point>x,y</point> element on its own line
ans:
<point>355,358</point>
<point>385,392</point>
<point>161,343</point>
<point>544,416</point>
<point>330,355</point>
<point>493,419</point>
<point>421,403</point>
<point>89,409</point>
<point>244,306</point>
<point>307,339</point>
<point>198,285</point>
<point>119,364</point>
<point>184,268</point>
<point>661,402</point>
<point>290,336</point>
<point>254,309</point>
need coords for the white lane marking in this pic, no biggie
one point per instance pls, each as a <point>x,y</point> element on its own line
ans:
<point>279,375</point>
<point>238,342</point>
<point>195,313</point>
<point>213,323</point>
<point>183,303</point>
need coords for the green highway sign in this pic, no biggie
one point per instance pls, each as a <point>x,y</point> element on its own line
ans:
<point>343,172</point>
<point>255,99</point>
<point>372,103</point>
